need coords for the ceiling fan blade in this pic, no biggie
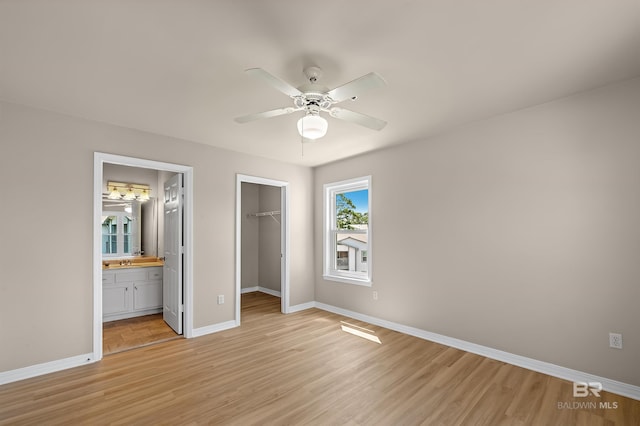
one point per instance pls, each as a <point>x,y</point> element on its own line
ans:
<point>354,88</point>
<point>265,114</point>
<point>274,81</point>
<point>358,118</point>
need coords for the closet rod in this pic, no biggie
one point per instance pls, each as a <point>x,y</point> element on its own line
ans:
<point>265,213</point>
<point>270,214</point>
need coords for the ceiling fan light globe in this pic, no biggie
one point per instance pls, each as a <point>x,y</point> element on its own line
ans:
<point>312,126</point>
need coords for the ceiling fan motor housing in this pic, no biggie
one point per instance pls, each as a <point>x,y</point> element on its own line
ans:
<point>313,73</point>
<point>312,96</point>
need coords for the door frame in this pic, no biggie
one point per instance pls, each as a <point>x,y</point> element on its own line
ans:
<point>99,159</point>
<point>284,238</point>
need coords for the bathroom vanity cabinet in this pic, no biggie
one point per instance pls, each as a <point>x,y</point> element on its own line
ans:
<point>131,292</point>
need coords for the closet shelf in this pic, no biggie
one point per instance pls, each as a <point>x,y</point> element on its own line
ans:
<point>271,214</point>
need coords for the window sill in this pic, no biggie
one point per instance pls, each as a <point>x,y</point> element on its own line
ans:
<point>347,280</point>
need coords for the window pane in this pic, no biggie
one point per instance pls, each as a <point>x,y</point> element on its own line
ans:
<point>352,209</point>
<point>349,249</point>
<point>109,231</point>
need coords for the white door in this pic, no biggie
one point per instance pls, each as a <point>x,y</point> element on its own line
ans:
<point>172,272</point>
<point>136,230</point>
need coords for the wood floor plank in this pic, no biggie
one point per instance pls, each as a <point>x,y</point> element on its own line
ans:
<point>301,369</point>
<point>126,334</point>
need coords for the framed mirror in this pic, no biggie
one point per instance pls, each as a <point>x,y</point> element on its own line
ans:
<point>121,229</point>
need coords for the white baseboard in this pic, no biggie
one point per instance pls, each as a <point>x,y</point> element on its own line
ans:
<point>301,307</point>
<point>609,385</point>
<point>117,317</point>
<point>45,368</point>
<point>214,328</point>
<point>260,289</point>
<point>275,293</point>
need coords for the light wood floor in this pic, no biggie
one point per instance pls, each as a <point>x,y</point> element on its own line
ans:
<point>122,335</point>
<point>302,369</point>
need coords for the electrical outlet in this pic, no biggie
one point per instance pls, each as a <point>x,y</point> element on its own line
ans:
<point>615,340</point>
<point>375,295</point>
<point>220,299</point>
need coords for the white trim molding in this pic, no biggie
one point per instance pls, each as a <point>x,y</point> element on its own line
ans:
<point>265,290</point>
<point>269,291</point>
<point>45,368</point>
<point>608,385</point>
<point>213,328</point>
<point>302,307</point>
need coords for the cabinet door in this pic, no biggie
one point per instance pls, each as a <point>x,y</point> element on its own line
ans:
<point>116,299</point>
<point>147,295</point>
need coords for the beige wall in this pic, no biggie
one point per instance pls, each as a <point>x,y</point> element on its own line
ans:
<point>46,292</point>
<point>126,174</point>
<point>521,233</point>
<point>269,241</point>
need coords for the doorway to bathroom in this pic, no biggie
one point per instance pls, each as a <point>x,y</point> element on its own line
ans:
<point>142,257</point>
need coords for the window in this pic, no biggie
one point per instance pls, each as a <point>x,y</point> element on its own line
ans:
<point>110,235</point>
<point>347,231</point>
<point>117,230</point>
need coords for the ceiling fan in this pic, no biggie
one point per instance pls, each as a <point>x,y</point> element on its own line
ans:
<point>313,98</point>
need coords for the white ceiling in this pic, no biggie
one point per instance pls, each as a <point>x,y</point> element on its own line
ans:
<point>176,67</point>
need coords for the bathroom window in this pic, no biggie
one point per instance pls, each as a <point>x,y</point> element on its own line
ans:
<point>116,234</point>
<point>110,235</point>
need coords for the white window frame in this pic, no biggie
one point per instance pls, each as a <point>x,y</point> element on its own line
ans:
<point>330,272</point>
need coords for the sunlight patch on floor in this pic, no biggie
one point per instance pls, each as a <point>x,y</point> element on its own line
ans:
<point>360,332</point>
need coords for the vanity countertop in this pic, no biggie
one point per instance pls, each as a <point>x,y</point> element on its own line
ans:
<point>136,262</point>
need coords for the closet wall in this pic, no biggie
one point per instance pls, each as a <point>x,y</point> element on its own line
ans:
<point>260,237</point>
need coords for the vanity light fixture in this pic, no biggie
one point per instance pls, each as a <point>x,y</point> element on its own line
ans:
<point>129,195</point>
<point>144,196</point>
<point>115,194</point>
<point>128,191</point>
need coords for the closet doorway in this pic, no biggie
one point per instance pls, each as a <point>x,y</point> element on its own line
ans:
<point>262,239</point>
